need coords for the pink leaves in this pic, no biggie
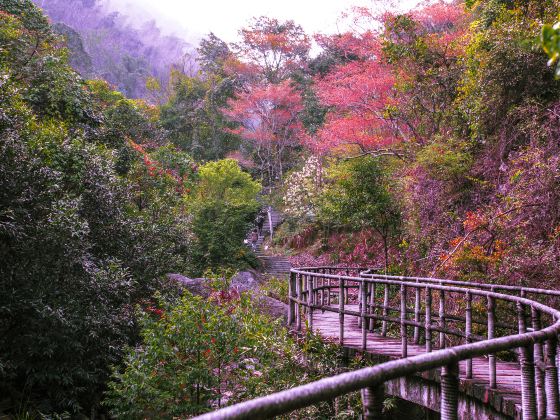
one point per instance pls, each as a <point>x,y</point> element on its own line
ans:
<point>267,113</point>
<point>359,93</point>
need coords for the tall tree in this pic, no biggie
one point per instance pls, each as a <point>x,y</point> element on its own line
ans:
<point>275,48</point>
<point>268,118</point>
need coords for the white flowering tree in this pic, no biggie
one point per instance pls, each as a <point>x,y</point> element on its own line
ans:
<point>302,188</point>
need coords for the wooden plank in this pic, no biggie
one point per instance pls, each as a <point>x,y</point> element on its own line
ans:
<point>508,373</point>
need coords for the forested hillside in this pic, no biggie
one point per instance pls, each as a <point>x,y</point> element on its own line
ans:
<point>420,143</point>
<point>106,44</point>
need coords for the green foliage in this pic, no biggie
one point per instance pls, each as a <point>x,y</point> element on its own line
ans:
<point>358,198</point>
<point>30,54</point>
<point>225,181</point>
<point>193,115</point>
<point>76,252</point>
<point>53,259</point>
<point>186,361</point>
<point>550,40</point>
<point>124,119</point>
<point>220,229</point>
<point>444,162</point>
<point>505,66</point>
<point>197,355</point>
<point>223,208</point>
<point>277,288</point>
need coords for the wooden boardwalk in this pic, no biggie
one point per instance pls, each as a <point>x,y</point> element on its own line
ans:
<point>506,398</point>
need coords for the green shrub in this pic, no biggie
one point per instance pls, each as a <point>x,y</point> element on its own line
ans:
<point>199,354</point>
<point>443,162</point>
<point>223,210</point>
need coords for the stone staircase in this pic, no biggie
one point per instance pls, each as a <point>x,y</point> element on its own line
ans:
<point>273,265</point>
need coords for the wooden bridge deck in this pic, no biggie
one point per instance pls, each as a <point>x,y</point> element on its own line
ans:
<point>506,398</point>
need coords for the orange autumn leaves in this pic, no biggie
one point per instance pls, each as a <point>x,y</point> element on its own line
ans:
<point>478,250</point>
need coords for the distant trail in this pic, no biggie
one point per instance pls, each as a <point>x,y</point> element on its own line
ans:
<point>273,265</point>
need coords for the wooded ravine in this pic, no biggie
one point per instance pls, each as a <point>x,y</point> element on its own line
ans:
<point>139,274</point>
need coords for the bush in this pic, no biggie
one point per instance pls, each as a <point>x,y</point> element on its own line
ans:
<point>64,300</point>
<point>223,208</point>
<point>76,252</point>
<point>198,355</point>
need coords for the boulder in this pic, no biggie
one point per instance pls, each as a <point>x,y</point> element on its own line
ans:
<point>245,281</point>
<point>272,307</point>
<point>198,286</point>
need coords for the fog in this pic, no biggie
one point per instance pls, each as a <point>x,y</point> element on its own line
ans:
<point>194,19</point>
<point>122,47</point>
<point>125,42</point>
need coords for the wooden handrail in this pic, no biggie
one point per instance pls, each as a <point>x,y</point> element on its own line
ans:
<point>324,288</point>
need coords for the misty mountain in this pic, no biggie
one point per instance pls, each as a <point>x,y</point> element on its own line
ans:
<point>104,43</point>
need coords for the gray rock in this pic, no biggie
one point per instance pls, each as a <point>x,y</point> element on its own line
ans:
<point>244,281</point>
<point>199,286</point>
<point>272,307</point>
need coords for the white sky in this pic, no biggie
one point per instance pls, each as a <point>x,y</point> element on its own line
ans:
<point>196,18</point>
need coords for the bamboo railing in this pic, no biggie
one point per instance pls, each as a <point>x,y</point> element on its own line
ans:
<point>464,325</point>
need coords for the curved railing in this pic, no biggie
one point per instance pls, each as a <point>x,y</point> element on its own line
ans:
<point>465,326</point>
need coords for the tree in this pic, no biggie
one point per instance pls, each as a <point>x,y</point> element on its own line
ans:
<point>424,48</point>
<point>358,198</point>
<point>224,207</point>
<point>390,87</point>
<point>194,118</point>
<point>75,252</point>
<point>275,48</point>
<point>269,120</point>
<point>358,94</point>
<point>213,54</point>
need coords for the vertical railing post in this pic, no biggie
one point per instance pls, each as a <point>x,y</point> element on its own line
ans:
<point>528,397</point>
<point>298,304</point>
<point>491,334</point>
<point>404,338</point>
<point>372,402</point>
<point>326,291</point>
<point>450,391</point>
<point>417,314</point>
<point>557,357</point>
<point>329,284</point>
<point>317,290</point>
<point>551,380</point>
<point>538,360</point>
<point>428,321</point>
<point>364,291</point>
<point>385,311</point>
<point>346,290</point>
<point>319,282</point>
<point>441,314</point>
<point>372,306</point>
<point>341,309</point>
<point>291,307</point>
<point>360,303</point>
<point>468,330</point>
<point>310,301</point>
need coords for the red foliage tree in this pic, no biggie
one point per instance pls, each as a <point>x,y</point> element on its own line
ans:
<point>358,93</point>
<point>268,118</point>
<point>371,93</point>
<point>275,48</point>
